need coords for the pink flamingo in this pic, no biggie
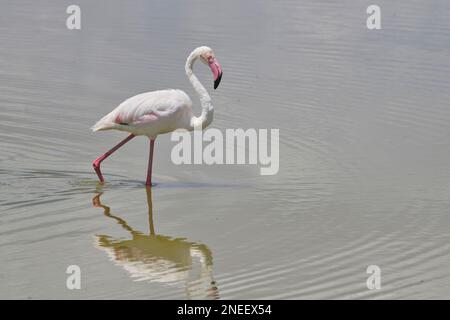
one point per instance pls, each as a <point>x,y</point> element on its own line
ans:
<point>157,112</point>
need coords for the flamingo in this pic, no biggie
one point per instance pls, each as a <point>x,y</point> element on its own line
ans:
<point>162,111</point>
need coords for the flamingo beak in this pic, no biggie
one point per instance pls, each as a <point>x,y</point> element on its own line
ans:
<point>216,69</point>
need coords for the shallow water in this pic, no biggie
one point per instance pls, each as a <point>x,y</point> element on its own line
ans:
<point>364,153</point>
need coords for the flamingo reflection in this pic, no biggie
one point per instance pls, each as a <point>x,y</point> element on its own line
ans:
<point>158,258</point>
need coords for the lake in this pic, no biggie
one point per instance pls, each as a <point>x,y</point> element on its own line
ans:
<point>364,154</point>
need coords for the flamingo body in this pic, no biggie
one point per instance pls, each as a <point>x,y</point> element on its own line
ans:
<point>150,113</point>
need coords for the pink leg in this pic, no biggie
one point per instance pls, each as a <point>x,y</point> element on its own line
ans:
<point>148,183</point>
<point>96,163</point>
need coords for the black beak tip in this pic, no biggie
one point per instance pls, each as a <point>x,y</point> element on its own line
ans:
<point>216,83</point>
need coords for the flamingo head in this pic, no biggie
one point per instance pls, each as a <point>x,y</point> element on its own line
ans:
<point>207,56</point>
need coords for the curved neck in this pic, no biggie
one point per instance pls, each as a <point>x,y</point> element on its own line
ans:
<point>205,100</point>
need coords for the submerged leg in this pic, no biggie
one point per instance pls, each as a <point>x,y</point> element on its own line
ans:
<point>148,183</point>
<point>96,163</point>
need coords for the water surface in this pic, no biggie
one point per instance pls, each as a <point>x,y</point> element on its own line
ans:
<point>364,153</point>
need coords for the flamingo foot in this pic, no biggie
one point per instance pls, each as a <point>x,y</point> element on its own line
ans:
<point>96,162</point>
<point>96,165</point>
